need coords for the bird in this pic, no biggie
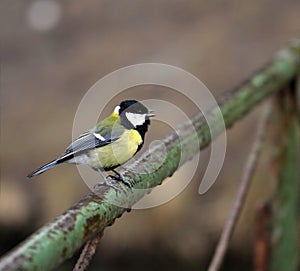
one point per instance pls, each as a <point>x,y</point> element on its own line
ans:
<point>111,143</point>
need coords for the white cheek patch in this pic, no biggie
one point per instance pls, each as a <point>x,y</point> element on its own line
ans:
<point>99,136</point>
<point>117,109</point>
<point>136,119</point>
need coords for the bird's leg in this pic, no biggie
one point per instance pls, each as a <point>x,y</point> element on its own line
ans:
<point>110,181</point>
<point>120,177</point>
<point>101,173</point>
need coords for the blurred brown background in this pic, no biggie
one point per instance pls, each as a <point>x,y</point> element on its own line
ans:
<point>53,51</point>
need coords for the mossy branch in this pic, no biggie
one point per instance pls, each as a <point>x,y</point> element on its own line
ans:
<point>285,246</point>
<point>61,238</point>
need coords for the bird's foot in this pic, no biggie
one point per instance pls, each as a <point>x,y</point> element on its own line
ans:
<point>119,177</point>
<point>112,182</point>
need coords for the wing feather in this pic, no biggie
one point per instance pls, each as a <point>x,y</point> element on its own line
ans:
<point>95,138</point>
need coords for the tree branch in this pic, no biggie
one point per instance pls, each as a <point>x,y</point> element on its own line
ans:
<point>87,253</point>
<point>285,229</point>
<point>61,238</point>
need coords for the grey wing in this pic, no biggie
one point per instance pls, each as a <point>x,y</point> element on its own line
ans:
<point>90,140</point>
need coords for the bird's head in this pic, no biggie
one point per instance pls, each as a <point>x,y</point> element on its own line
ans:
<point>134,115</point>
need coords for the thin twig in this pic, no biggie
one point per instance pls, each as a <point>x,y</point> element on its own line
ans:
<point>241,193</point>
<point>87,253</point>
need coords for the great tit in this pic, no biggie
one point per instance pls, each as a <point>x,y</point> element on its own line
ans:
<point>111,143</point>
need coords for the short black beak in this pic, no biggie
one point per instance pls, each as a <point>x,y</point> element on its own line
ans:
<point>150,114</point>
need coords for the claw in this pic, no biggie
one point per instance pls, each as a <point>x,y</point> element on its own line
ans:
<point>112,182</point>
<point>120,177</point>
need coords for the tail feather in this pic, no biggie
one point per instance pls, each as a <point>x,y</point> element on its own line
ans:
<point>43,168</point>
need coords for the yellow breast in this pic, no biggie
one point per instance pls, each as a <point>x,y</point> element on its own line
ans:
<point>118,152</point>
